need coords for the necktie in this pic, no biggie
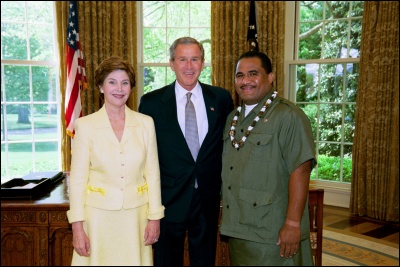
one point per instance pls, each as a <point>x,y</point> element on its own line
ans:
<point>191,133</point>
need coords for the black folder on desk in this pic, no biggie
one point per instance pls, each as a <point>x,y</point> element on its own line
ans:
<point>54,176</point>
<point>30,185</point>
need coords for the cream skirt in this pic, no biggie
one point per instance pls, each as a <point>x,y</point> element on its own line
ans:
<point>116,238</point>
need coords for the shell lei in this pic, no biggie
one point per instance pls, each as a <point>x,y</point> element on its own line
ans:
<point>237,144</point>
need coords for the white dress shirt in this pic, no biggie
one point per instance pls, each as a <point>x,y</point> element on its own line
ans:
<point>199,105</point>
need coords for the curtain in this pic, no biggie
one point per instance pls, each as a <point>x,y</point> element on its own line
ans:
<point>229,24</point>
<point>375,176</point>
<point>106,28</point>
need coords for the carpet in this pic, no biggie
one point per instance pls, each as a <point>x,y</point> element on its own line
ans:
<point>347,250</point>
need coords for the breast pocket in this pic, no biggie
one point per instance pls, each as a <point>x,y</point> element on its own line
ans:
<point>261,146</point>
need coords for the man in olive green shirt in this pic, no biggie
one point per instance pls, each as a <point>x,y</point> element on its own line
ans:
<point>267,160</point>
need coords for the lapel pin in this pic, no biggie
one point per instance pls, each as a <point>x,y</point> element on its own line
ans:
<point>212,108</point>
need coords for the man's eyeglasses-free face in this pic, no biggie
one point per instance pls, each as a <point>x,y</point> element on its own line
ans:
<point>251,76</point>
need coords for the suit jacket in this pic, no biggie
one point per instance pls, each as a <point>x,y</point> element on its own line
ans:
<point>110,175</point>
<point>177,166</point>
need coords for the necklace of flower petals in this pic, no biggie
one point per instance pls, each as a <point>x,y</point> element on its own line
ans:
<point>232,132</point>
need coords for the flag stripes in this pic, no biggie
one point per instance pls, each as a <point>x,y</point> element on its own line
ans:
<point>76,76</point>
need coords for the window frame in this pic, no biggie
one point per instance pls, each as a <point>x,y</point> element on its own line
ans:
<point>54,64</point>
<point>338,193</point>
<point>141,65</point>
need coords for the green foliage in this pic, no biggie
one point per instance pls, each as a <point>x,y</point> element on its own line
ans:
<point>44,161</point>
<point>15,46</point>
<point>327,92</point>
<point>329,169</point>
<point>162,26</point>
<point>41,121</point>
<point>29,90</point>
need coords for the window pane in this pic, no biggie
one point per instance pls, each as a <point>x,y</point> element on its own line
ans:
<point>310,40</point>
<point>170,75</point>
<point>41,46</point>
<point>352,73</point>
<point>310,11</point>
<point>45,124</point>
<point>155,46</point>
<point>46,156</point>
<point>20,159</point>
<point>13,41</point>
<point>16,80</point>
<point>312,113</point>
<point>203,36</point>
<point>331,82</point>
<point>154,13</point>
<point>19,122</point>
<point>337,9</point>
<point>40,12</point>
<point>347,163</point>
<point>330,123</point>
<point>4,157</point>
<point>349,123</point>
<point>174,8</point>
<point>335,39</point>
<point>329,162</point>
<point>175,33</point>
<point>12,11</point>
<point>197,11</point>
<point>355,37</point>
<point>154,78</point>
<point>44,84</point>
<point>307,83</point>
<point>3,129</point>
<point>357,8</point>
<point>205,75</point>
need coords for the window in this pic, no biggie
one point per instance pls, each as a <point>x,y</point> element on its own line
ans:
<point>163,22</point>
<point>30,110</point>
<point>323,77</point>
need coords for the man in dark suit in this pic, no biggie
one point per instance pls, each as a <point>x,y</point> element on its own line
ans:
<point>190,183</point>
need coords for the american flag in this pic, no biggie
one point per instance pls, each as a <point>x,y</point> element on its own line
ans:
<point>76,76</point>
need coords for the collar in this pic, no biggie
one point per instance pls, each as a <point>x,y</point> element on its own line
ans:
<point>181,92</point>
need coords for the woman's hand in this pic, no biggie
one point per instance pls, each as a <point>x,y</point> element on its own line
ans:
<point>152,232</point>
<point>80,240</point>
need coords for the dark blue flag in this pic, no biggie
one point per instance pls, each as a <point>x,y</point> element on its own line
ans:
<point>252,42</point>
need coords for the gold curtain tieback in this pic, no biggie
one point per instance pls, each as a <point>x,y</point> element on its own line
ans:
<point>142,188</point>
<point>90,189</point>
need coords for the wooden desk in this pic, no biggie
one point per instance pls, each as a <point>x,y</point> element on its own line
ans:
<point>36,232</point>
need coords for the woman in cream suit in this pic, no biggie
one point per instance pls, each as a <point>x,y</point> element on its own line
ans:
<point>115,197</point>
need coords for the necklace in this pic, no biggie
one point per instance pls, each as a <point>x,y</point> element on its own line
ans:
<point>232,132</point>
